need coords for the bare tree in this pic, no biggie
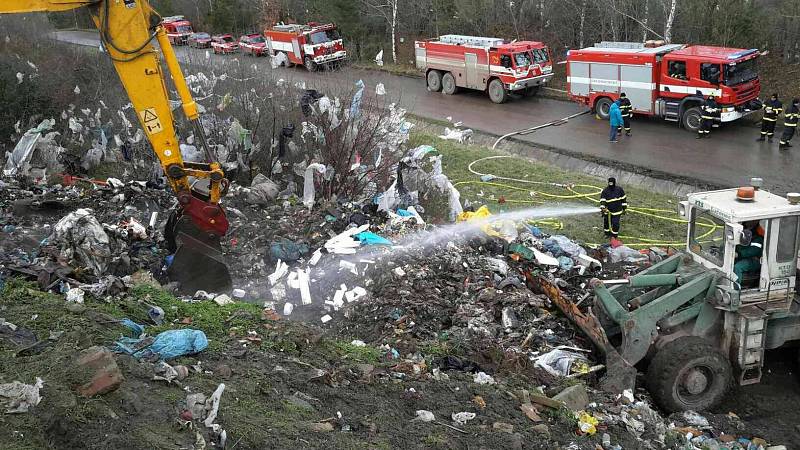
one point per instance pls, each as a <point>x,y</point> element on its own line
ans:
<point>387,9</point>
<point>673,6</point>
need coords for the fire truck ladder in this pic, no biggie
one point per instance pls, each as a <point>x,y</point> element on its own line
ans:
<point>473,41</point>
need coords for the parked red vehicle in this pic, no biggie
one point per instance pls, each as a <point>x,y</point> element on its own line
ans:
<point>668,81</point>
<point>486,64</point>
<point>253,44</point>
<point>224,44</point>
<point>311,45</point>
<point>178,29</point>
<point>199,40</point>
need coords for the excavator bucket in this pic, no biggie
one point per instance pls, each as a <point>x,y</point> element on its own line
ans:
<point>198,263</point>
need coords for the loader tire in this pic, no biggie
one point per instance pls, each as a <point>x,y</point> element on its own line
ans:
<point>603,107</point>
<point>497,92</point>
<point>434,80</point>
<point>449,84</point>
<point>689,374</point>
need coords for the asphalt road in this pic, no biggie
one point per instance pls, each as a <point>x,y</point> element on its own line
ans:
<point>728,158</point>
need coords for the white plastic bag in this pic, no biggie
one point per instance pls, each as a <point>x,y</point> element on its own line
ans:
<point>308,184</point>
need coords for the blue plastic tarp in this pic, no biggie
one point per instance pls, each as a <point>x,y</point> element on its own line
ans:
<point>167,345</point>
<point>369,238</point>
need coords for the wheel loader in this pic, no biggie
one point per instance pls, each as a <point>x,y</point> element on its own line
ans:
<point>702,318</point>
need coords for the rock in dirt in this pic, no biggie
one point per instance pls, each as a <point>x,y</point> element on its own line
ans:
<point>321,427</point>
<point>297,399</point>
<point>541,429</point>
<point>574,397</point>
<point>76,308</point>
<point>503,427</point>
<point>96,372</point>
<point>223,370</point>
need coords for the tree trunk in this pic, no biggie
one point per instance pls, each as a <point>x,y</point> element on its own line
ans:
<point>393,5</point>
<point>583,23</point>
<point>644,19</point>
<point>670,20</point>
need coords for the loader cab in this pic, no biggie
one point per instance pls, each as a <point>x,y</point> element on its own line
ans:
<point>752,237</point>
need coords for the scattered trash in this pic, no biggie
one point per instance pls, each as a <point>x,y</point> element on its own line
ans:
<point>75,295</point>
<point>587,424</point>
<point>166,345</point>
<point>463,417</point>
<point>560,362</point>
<point>483,378</point>
<point>18,397</point>
<point>424,416</point>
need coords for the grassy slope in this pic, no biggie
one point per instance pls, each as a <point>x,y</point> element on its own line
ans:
<point>588,228</point>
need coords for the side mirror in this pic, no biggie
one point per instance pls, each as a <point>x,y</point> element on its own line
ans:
<point>683,209</point>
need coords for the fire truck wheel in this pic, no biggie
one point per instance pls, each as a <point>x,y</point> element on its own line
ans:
<point>286,62</point>
<point>449,84</point>
<point>497,92</point>
<point>691,119</point>
<point>602,107</point>
<point>689,374</point>
<point>434,81</point>
<point>311,66</point>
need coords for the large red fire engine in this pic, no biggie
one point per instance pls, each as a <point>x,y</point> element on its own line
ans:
<point>665,80</point>
<point>311,45</point>
<point>482,63</point>
<point>178,29</point>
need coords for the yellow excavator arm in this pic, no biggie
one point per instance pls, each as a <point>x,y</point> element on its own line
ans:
<point>127,31</point>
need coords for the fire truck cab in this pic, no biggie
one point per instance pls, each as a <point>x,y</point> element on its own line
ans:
<point>178,29</point>
<point>486,64</point>
<point>312,45</point>
<point>668,81</point>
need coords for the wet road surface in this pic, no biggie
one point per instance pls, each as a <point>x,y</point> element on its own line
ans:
<point>728,158</point>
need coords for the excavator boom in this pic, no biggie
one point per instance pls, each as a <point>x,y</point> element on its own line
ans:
<point>127,30</point>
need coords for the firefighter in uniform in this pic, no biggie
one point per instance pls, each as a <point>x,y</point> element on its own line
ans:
<point>613,203</point>
<point>709,110</point>
<point>790,119</point>
<point>772,109</point>
<point>626,109</point>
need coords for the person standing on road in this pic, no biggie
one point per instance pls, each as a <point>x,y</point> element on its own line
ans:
<point>709,110</point>
<point>790,119</point>
<point>626,109</point>
<point>772,109</point>
<point>615,119</point>
<point>613,204</point>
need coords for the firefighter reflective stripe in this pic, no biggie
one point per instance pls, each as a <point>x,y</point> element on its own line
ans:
<point>603,200</point>
<point>618,213</point>
<point>770,119</point>
<point>787,124</point>
<point>756,244</point>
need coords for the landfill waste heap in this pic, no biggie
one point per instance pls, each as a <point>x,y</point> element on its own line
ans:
<point>394,317</point>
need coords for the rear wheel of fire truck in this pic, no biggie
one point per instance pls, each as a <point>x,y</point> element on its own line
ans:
<point>310,65</point>
<point>434,81</point>
<point>602,108</point>
<point>286,61</point>
<point>497,92</point>
<point>689,374</point>
<point>691,119</point>
<point>449,84</point>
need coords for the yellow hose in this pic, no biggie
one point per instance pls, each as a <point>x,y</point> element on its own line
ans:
<point>592,191</point>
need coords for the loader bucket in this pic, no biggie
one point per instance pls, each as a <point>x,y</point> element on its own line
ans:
<point>198,263</point>
<point>620,375</point>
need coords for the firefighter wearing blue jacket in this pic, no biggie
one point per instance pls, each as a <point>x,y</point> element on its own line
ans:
<point>613,203</point>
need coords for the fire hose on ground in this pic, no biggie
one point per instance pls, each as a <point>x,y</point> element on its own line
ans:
<point>578,192</point>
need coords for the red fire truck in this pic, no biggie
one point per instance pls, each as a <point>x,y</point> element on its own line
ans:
<point>311,45</point>
<point>486,64</point>
<point>665,80</point>
<point>178,29</point>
